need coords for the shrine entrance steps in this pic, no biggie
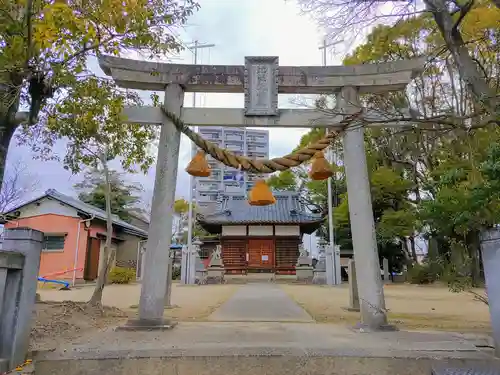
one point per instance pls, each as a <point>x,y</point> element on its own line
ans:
<point>261,277</point>
<point>263,348</point>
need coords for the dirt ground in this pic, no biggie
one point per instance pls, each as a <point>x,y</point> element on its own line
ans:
<point>58,322</point>
<point>63,316</point>
<point>409,306</point>
<point>191,303</point>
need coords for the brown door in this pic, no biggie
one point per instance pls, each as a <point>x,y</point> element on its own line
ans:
<point>92,261</point>
<point>233,255</point>
<point>260,253</point>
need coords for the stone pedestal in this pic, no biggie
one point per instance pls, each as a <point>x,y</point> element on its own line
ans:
<point>319,273</point>
<point>304,270</point>
<point>319,277</point>
<point>215,270</point>
<point>215,275</point>
<point>304,273</point>
<point>200,272</point>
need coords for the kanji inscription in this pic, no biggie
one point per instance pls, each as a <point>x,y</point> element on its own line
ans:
<point>261,86</point>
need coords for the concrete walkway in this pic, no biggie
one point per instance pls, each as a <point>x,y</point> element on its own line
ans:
<point>260,303</point>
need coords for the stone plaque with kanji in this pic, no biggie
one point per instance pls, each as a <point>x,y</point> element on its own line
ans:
<point>261,86</point>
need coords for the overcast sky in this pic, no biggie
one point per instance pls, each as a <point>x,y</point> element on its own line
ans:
<point>238,29</point>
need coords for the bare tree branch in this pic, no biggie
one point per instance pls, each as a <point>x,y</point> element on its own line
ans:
<point>17,185</point>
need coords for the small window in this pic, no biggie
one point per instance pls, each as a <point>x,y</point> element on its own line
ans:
<point>53,242</point>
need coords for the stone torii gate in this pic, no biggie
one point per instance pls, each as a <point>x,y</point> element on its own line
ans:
<point>260,79</point>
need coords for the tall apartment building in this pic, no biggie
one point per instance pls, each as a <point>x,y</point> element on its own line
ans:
<point>242,141</point>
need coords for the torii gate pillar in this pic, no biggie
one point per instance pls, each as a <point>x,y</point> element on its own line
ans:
<point>364,241</point>
<point>156,278</point>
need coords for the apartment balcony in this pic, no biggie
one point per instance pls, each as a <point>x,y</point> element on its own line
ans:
<point>206,198</point>
<point>256,149</point>
<point>217,142</point>
<point>260,140</point>
<point>233,189</point>
<point>214,164</point>
<point>233,138</point>
<point>210,133</point>
<point>210,158</point>
<point>213,177</point>
<point>234,130</point>
<point>254,177</point>
<point>257,155</point>
<point>208,186</point>
<point>233,147</point>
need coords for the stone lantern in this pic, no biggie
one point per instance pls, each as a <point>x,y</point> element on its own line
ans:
<point>304,271</point>
<point>320,270</point>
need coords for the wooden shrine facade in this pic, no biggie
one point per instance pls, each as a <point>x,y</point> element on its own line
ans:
<point>260,239</point>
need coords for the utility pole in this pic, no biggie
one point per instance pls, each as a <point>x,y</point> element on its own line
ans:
<point>330,157</point>
<point>194,49</point>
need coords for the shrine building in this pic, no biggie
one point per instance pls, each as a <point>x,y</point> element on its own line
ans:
<point>260,238</point>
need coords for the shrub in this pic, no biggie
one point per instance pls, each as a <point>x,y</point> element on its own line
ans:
<point>176,273</point>
<point>425,273</point>
<point>121,275</point>
<point>458,277</point>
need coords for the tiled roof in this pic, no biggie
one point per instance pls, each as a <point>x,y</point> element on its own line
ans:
<point>235,209</point>
<point>87,209</point>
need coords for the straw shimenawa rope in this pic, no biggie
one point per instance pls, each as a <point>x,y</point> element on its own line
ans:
<point>258,165</point>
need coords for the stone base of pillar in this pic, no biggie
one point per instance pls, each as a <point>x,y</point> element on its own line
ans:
<point>364,328</point>
<point>147,325</point>
<point>319,277</point>
<point>304,273</point>
<point>215,275</point>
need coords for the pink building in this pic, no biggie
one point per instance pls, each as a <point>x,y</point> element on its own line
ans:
<point>75,233</point>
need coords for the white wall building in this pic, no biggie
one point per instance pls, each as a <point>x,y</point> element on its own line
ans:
<point>242,141</point>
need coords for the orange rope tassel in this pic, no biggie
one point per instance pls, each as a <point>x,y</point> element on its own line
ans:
<point>261,195</point>
<point>198,166</point>
<point>320,169</point>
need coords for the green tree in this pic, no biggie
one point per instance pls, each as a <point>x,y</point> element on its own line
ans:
<point>441,160</point>
<point>181,206</point>
<point>46,45</point>
<point>284,180</point>
<point>89,118</point>
<point>466,201</point>
<point>125,197</point>
<point>394,216</point>
<point>181,209</point>
<point>459,27</point>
